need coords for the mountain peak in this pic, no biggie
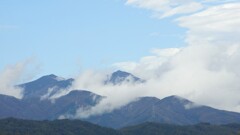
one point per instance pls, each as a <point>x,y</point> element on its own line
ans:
<point>120,73</point>
<point>52,77</point>
<point>43,85</point>
<point>175,98</point>
<point>119,77</point>
<point>180,102</point>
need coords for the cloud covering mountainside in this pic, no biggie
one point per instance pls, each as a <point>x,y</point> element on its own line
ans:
<point>38,104</point>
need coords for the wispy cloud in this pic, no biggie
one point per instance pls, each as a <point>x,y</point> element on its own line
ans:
<point>216,25</point>
<point>167,8</point>
<point>11,75</point>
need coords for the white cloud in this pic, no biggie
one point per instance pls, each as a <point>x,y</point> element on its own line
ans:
<point>219,1</point>
<point>88,80</point>
<point>183,9</point>
<point>49,93</point>
<point>10,76</point>
<point>215,25</point>
<point>168,52</point>
<point>165,8</point>
<point>116,95</point>
<point>205,74</point>
<point>150,64</point>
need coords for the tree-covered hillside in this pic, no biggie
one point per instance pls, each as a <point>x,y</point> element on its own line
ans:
<point>12,126</point>
<point>165,129</point>
<point>58,127</point>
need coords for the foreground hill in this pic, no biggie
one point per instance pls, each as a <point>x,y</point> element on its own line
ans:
<point>165,129</point>
<point>12,126</point>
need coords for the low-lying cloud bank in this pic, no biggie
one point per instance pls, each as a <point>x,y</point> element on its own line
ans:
<point>204,74</point>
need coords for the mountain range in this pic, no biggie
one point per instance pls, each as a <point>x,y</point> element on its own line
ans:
<point>170,110</point>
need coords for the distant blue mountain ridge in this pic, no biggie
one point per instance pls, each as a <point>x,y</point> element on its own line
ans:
<point>172,109</point>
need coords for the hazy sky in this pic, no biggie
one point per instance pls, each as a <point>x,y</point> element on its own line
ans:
<point>65,36</point>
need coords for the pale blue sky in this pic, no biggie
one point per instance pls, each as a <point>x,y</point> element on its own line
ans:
<point>67,35</point>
